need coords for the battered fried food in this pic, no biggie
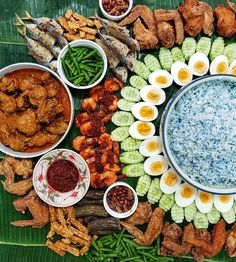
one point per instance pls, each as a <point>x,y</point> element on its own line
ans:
<point>38,210</point>
<point>217,240</point>
<point>226,23</point>
<point>166,34</point>
<point>231,5</point>
<point>57,127</point>
<point>37,95</point>
<point>8,85</point>
<point>142,214</point>
<point>42,138</point>
<point>230,245</point>
<point>153,229</point>
<point>7,103</point>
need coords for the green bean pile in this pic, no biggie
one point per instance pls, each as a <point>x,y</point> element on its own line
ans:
<point>82,65</point>
<point>120,247</point>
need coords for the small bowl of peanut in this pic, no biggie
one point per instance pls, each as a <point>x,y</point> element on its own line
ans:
<point>115,9</point>
<point>120,200</point>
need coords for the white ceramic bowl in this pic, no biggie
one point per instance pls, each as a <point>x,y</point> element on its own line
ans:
<point>85,43</point>
<point>117,214</point>
<point>14,67</point>
<point>112,17</point>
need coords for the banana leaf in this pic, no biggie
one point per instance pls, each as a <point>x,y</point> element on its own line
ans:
<point>26,244</point>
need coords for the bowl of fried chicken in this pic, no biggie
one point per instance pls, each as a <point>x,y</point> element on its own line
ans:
<point>36,110</point>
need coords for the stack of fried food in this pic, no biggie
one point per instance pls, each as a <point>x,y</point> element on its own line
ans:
<point>64,223</point>
<point>78,26</point>
<point>95,144</point>
<point>11,167</point>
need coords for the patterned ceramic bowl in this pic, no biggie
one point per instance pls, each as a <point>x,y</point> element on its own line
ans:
<point>50,195</point>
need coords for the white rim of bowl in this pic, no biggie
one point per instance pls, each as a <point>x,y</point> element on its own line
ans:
<point>62,149</point>
<point>77,43</point>
<point>163,133</point>
<point>58,78</point>
<point>113,17</point>
<point>115,213</point>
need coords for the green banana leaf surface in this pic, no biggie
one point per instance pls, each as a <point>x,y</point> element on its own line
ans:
<point>27,244</point>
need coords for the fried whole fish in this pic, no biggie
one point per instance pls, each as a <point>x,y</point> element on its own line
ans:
<point>121,73</point>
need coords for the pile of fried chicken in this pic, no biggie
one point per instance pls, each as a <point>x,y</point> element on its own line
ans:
<point>168,26</point>
<point>95,144</point>
<point>31,113</point>
<point>11,168</point>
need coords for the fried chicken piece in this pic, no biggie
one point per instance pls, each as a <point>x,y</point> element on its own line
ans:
<point>28,83</point>
<point>22,101</point>
<point>42,138</point>
<point>37,95</point>
<point>146,38</point>
<point>142,214</point>
<point>166,34</point>
<point>26,122</point>
<point>208,19</point>
<point>226,25</point>
<point>169,15</point>
<point>231,5</point>
<point>217,240</point>
<point>57,127</point>
<point>145,13</point>
<point>48,110</point>
<point>7,103</point>
<point>38,210</point>
<point>101,180</point>
<point>153,229</point>
<point>93,127</point>
<point>52,88</point>
<point>89,105</point>
<point>19,188</point>
<point>230,245</point>
<point>8,84</point>
<point>112,85</point>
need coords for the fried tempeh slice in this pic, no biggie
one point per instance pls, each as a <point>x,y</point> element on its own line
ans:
<point>60,217</point>
<point>66,240</point>
<point>83,19</point>
<point>64,23</point>
<point>68,14</point>
<point>83,250</point>
<point>71,217</point>
<point>67,247</point>
<point>55,248</point>
<point>79,240</point>
<point>60,230</point>
<point>79,233</point>
<point>52,212</point>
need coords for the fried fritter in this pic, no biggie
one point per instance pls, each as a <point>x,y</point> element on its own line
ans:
<point>231,5</point>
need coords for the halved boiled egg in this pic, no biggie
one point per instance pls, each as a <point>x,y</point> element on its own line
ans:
<point>199,64</point>
<point>185,195</point>
<point>204,201</point>
<point>153,95</point>
<point>232,68</point>
<point>181,73</point>
<point>219,65</point>
<point>223,203</point>
<point>144,111</point>
<point>160,78</point>
<point>142,130</point>
<point>156,165</point>
<point>169,181</point>
<point>151,146</point>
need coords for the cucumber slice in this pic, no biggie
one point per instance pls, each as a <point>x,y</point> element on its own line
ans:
<point>138,82</point>
<point>230,52</point>
<point>131,157</point>
<point>177,214</point>
<point>154,192</point>
<point>217,47</point>
<point>125,105</point>
<point>142,70</point>
<point>190,211</point>
<point>130,144</point>
<point>143,185</point>
<point>131,94</point>
<point>200,220</point>
<point>165,58</point>
<point>189,47</point>
<point>177,54</point>
<point>213,216</point>
<point>120,133</point>
<point>121,118</point>
<point>204,45</point>
<point>229,216</point>
<point>152,62</point>
<point>166,202</point>
<point>133,170</point>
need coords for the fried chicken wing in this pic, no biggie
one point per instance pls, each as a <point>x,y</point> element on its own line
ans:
<point>19,188</point>
<point>7,103</point>
<point>226,25</point>
<point>231,5</point>
<point>166,34</point>
<point>230,245</point>
<point>38,210</point>
<point>8,85</point>
<point>57,126</point>
<point>208,20</point>
<point>142,214</point>
<point>42,138</point>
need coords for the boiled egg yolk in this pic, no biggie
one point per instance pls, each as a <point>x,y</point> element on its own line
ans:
<point>233,71</point>
<point>153,96</point>
<point>187,191</point>
<point>162,80</point>
<point>205,197</point>
<point>152,146</point>
<point>146,112</point>
<point>184,75</point>
<point>200,67</point>
<point>221,68</point>
<point>156,167</point>
<point>170,179</point>
<point>144,129</point>
<point>224,198</point>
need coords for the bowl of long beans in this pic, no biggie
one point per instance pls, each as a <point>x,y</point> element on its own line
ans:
<point>82,64</point>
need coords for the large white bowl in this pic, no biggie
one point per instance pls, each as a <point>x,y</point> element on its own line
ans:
<point>84,43</point>
<point>14,67</point>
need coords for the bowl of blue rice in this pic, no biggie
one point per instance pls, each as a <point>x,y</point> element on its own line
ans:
<point>198,131</point>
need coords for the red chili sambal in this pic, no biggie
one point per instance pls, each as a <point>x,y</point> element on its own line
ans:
<point>62,175</point>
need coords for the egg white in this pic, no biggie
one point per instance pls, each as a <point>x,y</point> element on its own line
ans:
<point>148,163</point>
<point>196,58</point>
<point>160,73</point>
<point>136,111</point>
<point>215,63</point>
<point>175,69</point>
<point>201,206</point>
<point>232,67</point>
<point>183,201</point>
<point>169,189</point>
<point>147,89</point>
<point>223,206</point>
<point>143,149</point>
<point>133,131</point>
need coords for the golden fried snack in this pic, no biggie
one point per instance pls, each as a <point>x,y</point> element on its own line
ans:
<point>55,248</point>
<point>166,34</point>
<point>7,103</point>
<point>80,234</point>
<point>8,84</point>
<point>60,216</point>
<point>71,217</point>
<point>57,127</point>
<point>42,138</point>
<point>142,214</point>
<point>230,245</point>
<point>67,247</point>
